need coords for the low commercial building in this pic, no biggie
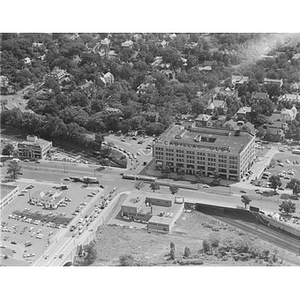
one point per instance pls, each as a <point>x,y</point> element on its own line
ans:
<point>8,192</point>
<point>205,150</point>
<point>159,212</point>
<point>33,148</point>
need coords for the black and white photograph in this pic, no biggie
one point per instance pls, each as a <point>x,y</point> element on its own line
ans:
<point>161,148</point>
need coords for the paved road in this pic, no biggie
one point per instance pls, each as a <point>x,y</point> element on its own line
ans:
<point>17,100</point>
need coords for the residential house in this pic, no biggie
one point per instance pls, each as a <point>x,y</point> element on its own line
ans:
<point>273,81</point>
<point>76,59</point>
<point>206,65</point>
<point>244,112</point>
<point>257,96</point>
<point>288,114</point>
<point>238,79</point>
<point>59,74</point>
<point>203,120</point>
<point>27,60</point>
<point>127,44</point>
<point>113,110</point>
<point>296,56</point>
<point>164,43</point>
<point>295,87</point>
<point>289,98</point>
<point>220,105</point>
<point>106,79</point>
<point>157,61</point>
<point>143,87</point>
<point>276,125</point>
<point>88,87</point>
<point>4,81</point>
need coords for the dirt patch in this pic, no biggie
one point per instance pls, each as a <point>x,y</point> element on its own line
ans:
<point>190,231</point>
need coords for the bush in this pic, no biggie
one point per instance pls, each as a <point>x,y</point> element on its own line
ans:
<point>214,241</point>
<point>206,246</point>
<point>126,260</point>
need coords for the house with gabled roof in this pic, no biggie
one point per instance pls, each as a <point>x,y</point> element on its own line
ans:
<point>256,96</point>
<point>273,81</point>
<point>238,79</point>
<point>220,105</point>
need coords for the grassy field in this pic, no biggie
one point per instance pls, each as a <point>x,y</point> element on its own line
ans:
<point>153,249</point>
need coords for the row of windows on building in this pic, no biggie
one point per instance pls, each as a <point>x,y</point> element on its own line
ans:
<point>190,154</point>
<point>232,165</point>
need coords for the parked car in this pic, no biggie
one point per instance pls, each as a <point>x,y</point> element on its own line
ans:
<point>206,186</point>
<point>243,191</point>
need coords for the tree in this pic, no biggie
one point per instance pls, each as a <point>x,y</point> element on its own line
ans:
<point>187,252</point>
<point>174,189</point>
<point>166,170</point>
<point>126,260</point>
<point>180,172</point>
<point>206,246</point>
<point>8,149</point>
<point>91,254</point>
<point>14,169</point>
<point>154,186</point>
<point>275,182</point>
<point>245,199</point>
<point>172,253</point>
<point>287,207</point>
<point>172,245</point>
<point>199,175</point>
<point>296,189</point>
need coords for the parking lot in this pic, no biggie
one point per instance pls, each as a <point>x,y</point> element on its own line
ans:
<point>26,238</point>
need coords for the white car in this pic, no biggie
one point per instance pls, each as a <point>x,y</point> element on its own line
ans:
<point>206,186</point>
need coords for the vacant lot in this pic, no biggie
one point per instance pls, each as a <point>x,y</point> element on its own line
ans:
<point>153,249</point>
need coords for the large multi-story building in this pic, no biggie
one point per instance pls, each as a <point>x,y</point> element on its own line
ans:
<point>206,150</point>
<point>33,147</point>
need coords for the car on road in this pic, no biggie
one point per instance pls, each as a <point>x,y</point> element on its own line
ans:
<point>281,188</point>
<point>243,191</point>
<point>61,256</point>
<point>102,187</point>
<point>206,186</point>
<point>26,160</point>
<point>257,191</point>
<point>13,242</point>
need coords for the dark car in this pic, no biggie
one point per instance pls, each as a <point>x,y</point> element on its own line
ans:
<point>243,191</point>
<point>102,187</point>
<point>61,256</point>
<point>13,242</point>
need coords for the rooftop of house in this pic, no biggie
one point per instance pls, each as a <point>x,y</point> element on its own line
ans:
<point>269,80</point>
<point>239,79</point>
<point>260,95</point>
<point>296,56</point>
<point>244,110</point>
<point>220,139</point>
<point>203,117</point>
<point>289,97</point>
<point>217,104</point>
